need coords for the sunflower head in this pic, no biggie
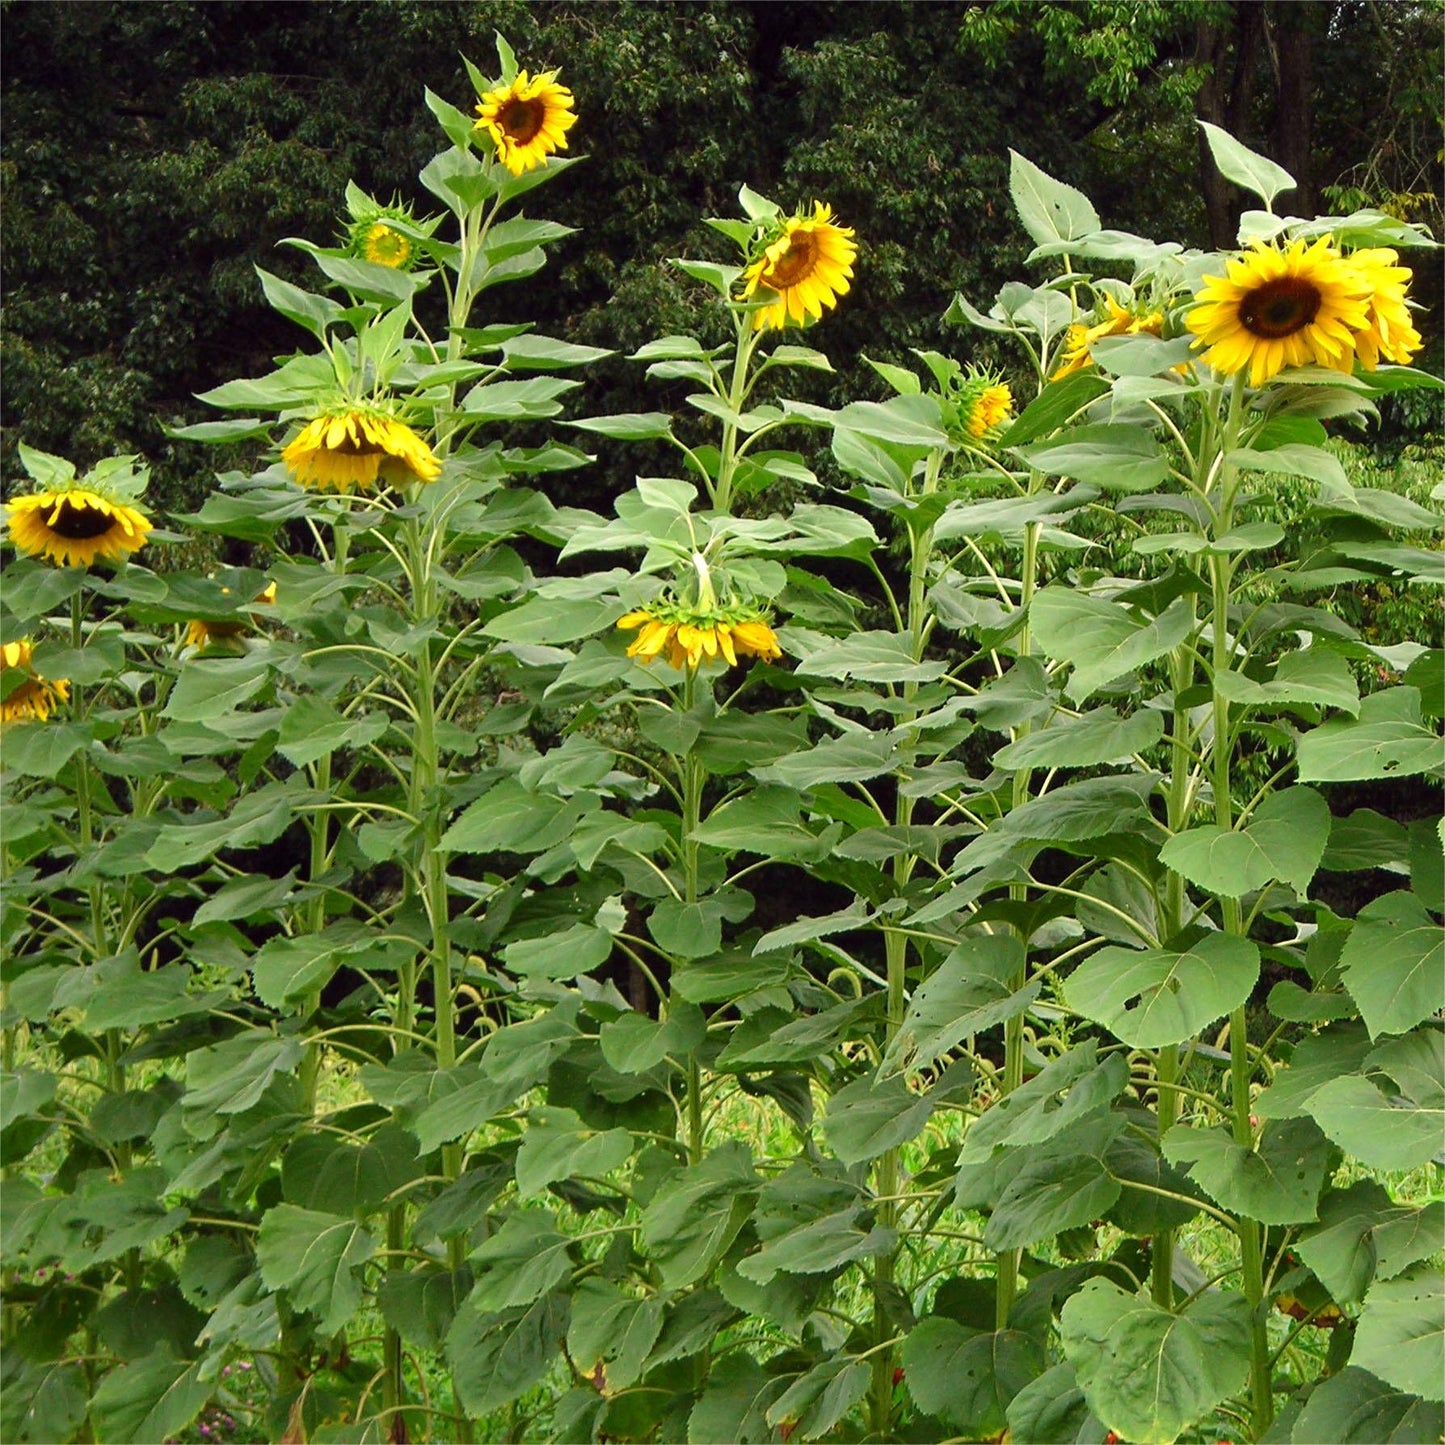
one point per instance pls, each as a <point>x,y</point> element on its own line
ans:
<point>75,521</point>
<point>527,119</point>
<point>202,632</point>
<point>1281,306</point>
<point>687,636</point>
<point>805,261</point>
<point>353,446</point>
<point>24,694</point>
<point>383,245</point>
<point>1114,320</point>
<point>1388,331</point>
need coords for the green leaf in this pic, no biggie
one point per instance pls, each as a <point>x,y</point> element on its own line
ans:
<point>1378,1131</point>
<point>867,1118</point>
<point>1055,1186</point>
<point>521,1262</point>
<point>305,308</point>
<point>324,1173</point>
<point>967,1379</point>
<point>230,1077</point>
<point>611,1330</point>
<point>1051,1410</point>
<point>511,818</point>
<point>316,1259</point>
<point>35,750</point>
<point>150,1399</point>
<point>1277,1182</point>
<point>1310,676</point>
<point>557,1145</point>
<point>210,687</point>
<point>869,657</point>
<point>1356,1408</point>
<point>628,426</point>
<point>1400,1337</point>
<point>1057,404</point>
<point>821,1246</point>
<point>1146,1372</point>
<point>497,1357</point>
<point>1160,996</point>
<point>1293,460</point>
<point>1048,209</point>
<point>285,969</point>
<point>852,758</point>
<point>970,991</point>
<point>565,954</point>
<point>421,1304</point>
<point>259,817</point>
<point>1343,1251</point>
<point>1389,739</point>
<point>1284,838</point>
<point>819,1398</point>
<point>1256,173</point>
<point>633,1043</point>
<point>696,1215</point>
<point>43,1401</point>
<point>734,1404</point>
<point>312,729</point>
<point>1110,455</point>
<point>1331,1054</point>
<point>1393,964</point>
<point>1098,737</point>
<point>1103,640</point>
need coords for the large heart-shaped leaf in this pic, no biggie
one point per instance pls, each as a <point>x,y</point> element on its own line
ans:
<point>1284,839</point>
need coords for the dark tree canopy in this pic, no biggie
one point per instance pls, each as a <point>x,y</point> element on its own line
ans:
<point>154,154</point>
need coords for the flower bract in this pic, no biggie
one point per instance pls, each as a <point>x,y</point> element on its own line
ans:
<point>1388,331</point>
<point>686,637</point>
<point>356,448</point>
<point>34,697</point>
<point>527,120</point>
<point>75,526</point>
<point>1279,307</point>
<point>808,265</point>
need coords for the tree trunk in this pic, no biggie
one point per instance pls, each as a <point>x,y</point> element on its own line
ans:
<point>1292,140</point>
<point>1224,100</point>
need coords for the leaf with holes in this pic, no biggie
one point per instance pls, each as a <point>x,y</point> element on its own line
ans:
<point>1394,964</point>
<point>1276,1182</point>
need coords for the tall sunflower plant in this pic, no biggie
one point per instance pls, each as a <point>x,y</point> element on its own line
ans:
<point>250,774</point>
<point>1118,892</point>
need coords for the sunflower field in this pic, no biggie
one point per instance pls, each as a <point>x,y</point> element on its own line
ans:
<point>860,941</point>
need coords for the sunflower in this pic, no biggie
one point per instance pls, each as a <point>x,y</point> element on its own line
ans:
<point>989,410</point>
<point>383,245</point>
<point>1117,321</point>
<point>1281,307</point>
<point>1388,330</point>
<point>75,525</point>
<point>35,697</point>
<point>807,264</point>
<point>201,632</point>
<point>527,120</point>
<point>343,449</point>
<point>686,636</point>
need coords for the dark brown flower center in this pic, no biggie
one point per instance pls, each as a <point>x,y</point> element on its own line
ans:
<point>79,522</point>
<point>795,264</point>
<point>1280,308</point>
<point>522,119</point>
<point>350,448</point>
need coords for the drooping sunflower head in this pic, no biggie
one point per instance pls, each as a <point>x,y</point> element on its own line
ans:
<point>1115,320</point>
<point>1281,306</point>
<point>357,447</point>
<point>1388,331</point>
<point>806,261</point>
<point>527,119</point>
<point>73,525</point>
<point>24,694</point>
<point>203,632</point>
<point>687,637</point>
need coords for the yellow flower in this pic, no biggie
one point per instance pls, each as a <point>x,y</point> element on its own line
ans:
<point>527,120</point>
<point>343,449</point>
<point>1117,321</point>
<point>686,637</point>
<point>808,266</point>
<point>1277,308</point>
<point>75,526</point>
<point>989,410</point>
<point>200,632</point>
<point>384,245</point>
<point>1388,330</point>
<point>35,697</point>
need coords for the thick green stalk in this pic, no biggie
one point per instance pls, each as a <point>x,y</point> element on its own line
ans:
<point>694,777</point>
<point>1221,570</point>
<point>887,1173</point>
<point>1006,1264</point>
<point>1166,1064</point>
